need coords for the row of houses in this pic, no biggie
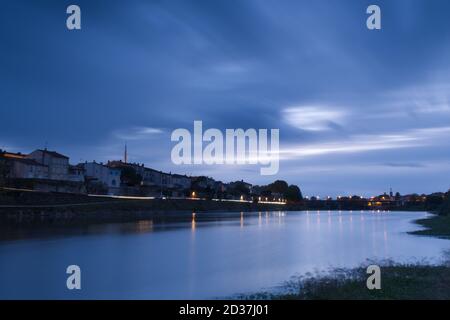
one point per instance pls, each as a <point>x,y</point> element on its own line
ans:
<point>51,171</point>
<point>41,164</point>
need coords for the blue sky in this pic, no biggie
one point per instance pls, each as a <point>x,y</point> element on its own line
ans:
<point>359,111</point>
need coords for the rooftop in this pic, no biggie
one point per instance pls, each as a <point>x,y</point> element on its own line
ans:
<point>11,155</point>
<point>53,154</point>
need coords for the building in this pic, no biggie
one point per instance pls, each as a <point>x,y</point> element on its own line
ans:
<point>151,177</point>
<point>28,169</point>
<point>11,155</point>
<point>76,173</point>
<point>182,182</point>
<point>166,179</point>
<point>203,182</point>
<point>98,172</point>
<point>19,167</point>
<point>58,164</point>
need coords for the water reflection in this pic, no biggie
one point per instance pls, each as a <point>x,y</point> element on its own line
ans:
<point>329,221</point>
<point>318,220</point>
<point>307,221</point>
<point>351,223</point>
<point>144,226</point>
<point>193,222</point>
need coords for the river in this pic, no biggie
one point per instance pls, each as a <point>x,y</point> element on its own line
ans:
<point>203,258</point>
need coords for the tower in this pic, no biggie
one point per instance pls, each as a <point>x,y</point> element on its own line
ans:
<point>125,155</point>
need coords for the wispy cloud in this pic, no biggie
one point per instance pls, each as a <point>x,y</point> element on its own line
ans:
<point>365,143</point>
<point>419,99</point>
<point>403,165</point>
<point>313,118</point>
<point>137,133</point>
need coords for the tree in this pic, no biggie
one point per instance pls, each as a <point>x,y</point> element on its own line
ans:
<point>239,189</point>
<point>129,176</point>
<point>433,202</point>
<point>293,193</point>
<point>445,208</point>
<point>279,186</point>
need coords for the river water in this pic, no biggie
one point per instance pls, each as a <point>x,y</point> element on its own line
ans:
<point>204,258</point>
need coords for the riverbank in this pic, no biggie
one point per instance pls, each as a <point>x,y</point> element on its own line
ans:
<point>398,281</point>
<point>436,226</point>
<point>25,207</point>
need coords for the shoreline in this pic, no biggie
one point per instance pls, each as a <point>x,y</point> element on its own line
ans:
<point>33,207</point>
<point>115,210</point>
<point>405,281</point>
<point>29,208</point>
<point>125,211</point>
<point>435,226</point>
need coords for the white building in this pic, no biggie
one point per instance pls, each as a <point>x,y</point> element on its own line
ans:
<point>58,164</point>
<point>28,169</point>
<point>102,173</point>
<point>76,173</point>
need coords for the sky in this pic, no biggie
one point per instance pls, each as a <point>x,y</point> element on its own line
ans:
<point>359,111</point>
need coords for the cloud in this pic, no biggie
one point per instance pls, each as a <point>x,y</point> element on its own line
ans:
<point>233,66</point>
<point>137,133</point>
<point>313,118</point>
<point>364,143</point>
<point>422,99</point>
<point>404,165</point>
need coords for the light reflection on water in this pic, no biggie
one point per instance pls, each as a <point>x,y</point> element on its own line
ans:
<point>206,256</point>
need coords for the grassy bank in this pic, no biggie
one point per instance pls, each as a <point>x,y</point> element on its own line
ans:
<point>398,281</point>
<point>437,226</point>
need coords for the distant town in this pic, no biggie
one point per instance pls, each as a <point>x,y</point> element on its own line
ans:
<point>51,171</point>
